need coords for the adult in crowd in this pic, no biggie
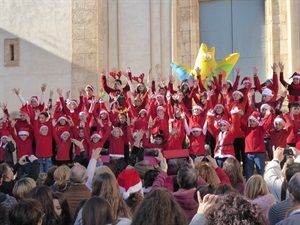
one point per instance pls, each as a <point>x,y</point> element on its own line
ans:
<point>27,212</point>
<point>22,187</point>
<point>7,181</point>
<point>77,190</point>
<point>278,211</point>
<point>159,208</point>
<point>293,215</point>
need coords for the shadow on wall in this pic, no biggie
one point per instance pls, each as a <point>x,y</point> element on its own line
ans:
<point>36,66</point>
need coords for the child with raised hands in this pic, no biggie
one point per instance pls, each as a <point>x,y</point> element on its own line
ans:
<point>34,103</point>
<point>282,127</point>
<point>255,149</point>
<point>225,135</point>
<point>271,84</point>
<point>293,88</point>
<point>72,108</point>
<point>63,143</point>
<point>43,139</point>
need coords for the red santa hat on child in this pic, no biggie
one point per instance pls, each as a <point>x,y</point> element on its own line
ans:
<point>279,120</point>
<point>245,80</point>
<point>197,107</point>
<point>23,131</point>
<point>224,121</point>
<point>161,108</point>
<point>143,110</point>
<point>89,86</point>
<point>62,118</point>
<point>95,135</point>
<point>74,101</point>
<point>23,109</point>
<point>255,116</point>
<point>267,92</point>
<point>129,182</point>
<point>238,92</point>
<point>219,105</point>
<point>65,132</point>
<point>265,106</point>
<point>270,80</point>
<point>34,98</point>
<point>196,128</point>
<point>230,82</point>
<point>4,134</point>
<point>103,111</point>
<point>44,126</point>
<point>295,75</point>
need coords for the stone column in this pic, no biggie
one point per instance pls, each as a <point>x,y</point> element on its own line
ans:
<point>86,43</point>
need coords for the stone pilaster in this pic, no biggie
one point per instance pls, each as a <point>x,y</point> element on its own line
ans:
<point>85,43</point>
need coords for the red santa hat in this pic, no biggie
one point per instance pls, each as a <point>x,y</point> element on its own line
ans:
<point>23,131</point>
<point>62,118</point>
<point>196,129</point>
<point>143,110</point>
<point>159,95</point>
<point>34,98</point>
<point>23,109</point>
<point>43,126</point>
<point>238,92</point>
<point>74,101</point>
<point>95,135</point>
<point>90,87</point>
<point>267,92</point>
<point>117,128</point>
<point>161,108</point>
<point>82,113</point>
<point>265,106</point>
<point>224,121</point>
<point>219,105</point>
<point>65,132</point>
<point>230,82</point>
<point>295,75</point>
<point>197,107</point>
<point>255,116</point>
<point>4,134</point>
<point>103,111</point>
<point>279,120</point>
<point>245,80</point>
<point>129,182</point>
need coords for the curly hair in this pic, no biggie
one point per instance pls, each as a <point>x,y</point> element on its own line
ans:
<point>207,172</point>
<point>135,200</point>
<point>159,208</point>
<point>234,210</point>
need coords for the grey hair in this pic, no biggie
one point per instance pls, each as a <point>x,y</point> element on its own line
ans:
<point>187,177</point>
<point>294,186</point>
<point>78,174</point>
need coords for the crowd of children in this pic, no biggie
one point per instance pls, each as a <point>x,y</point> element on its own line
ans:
<point>219,114</point>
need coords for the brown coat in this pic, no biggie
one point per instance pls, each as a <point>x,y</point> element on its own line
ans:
<point>75,194</point>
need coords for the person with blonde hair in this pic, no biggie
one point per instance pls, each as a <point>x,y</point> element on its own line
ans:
<point>22,187</point>
<point>256,190</point>
<point>61,178</point>
<point>233,170</point>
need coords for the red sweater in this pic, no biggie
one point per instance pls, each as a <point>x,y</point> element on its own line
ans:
<point>293,135</point>
<point>23,147</point>
<point>63,147</point>
<point>43,143</point>
<point>197,144</point>
<point>254,141</point>
<point>278,138</point>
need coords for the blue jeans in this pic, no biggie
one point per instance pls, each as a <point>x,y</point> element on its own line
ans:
<point>255,158</point>
<point>45,164</point>
<point>220,161</point>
